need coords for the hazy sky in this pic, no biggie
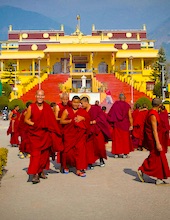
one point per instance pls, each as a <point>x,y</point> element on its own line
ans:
<point>104,13</point>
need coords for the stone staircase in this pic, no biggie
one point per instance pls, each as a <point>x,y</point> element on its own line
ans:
<point>116,87</point>
<point>50,86</point>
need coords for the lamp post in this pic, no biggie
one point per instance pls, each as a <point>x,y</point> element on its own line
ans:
<point>15,87</point>
<point>131,72</point>
<point>163,80</point>
<point>39,70</point>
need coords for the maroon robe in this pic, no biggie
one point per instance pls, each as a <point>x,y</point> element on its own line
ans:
<point>75,135</point>
<point>44,137</point>
<point>164,134</point>
<point>99,134</point>
<point>138,127</point>
<point>118,116</point>
<point>135,113</point>
<point>23,132</point>
<point>13,128</point>
<point>61,110</point>
<point>156,164</point>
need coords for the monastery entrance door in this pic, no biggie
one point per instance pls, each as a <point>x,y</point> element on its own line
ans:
<point>102,67</point>
<point>57,68</point>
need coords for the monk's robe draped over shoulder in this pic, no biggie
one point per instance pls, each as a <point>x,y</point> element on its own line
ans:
<point>44,136</point>
<point>164,133</point>
<point>45,131</point>
<point>138,128</point>
<point>23,132</point>
<point>13,128</point>
<point>75,135</point>
<point>99,134</point>
<point>118,116</point>
<point>156,164</point>
<point>102,125</point>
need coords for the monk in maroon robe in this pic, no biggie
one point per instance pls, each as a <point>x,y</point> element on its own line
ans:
<point>99,133</point>
<point>14,118</point>
<point>24,147</point>
<point>121,119</point>
<point>156,165</point>
<point>76,123</point>
<point>59,109</point>
<point>44,136</point>
<point>138,127</point>
<point>164,128</point>
<point>64,104</point>
<point>136,111</point>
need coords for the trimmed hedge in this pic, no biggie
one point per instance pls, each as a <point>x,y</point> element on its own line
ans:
<point>15,102</point>
<point>166,102</point>
<point>144,100</point>
<point>4,101</point>
<point>3,159</point>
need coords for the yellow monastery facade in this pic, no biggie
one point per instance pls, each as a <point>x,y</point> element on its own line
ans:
<point>28,54</point>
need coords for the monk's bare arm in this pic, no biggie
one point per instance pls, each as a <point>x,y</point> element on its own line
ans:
<point>10,115</point>
<point>130,119</point>
<point>63,119</point>
<point>56,112</point>
<point>155,132</point>
<point>28,117</point>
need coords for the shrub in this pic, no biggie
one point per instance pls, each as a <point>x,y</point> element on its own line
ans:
<point>166,102</point>
<point>15,102</point>
<point>6,89</point>
<point>157,90</point>
<point>3,102</point>
<point>144,100</point>
<point>3,159</point>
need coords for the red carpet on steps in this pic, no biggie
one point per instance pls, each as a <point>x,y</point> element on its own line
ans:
<point>116,87</point>
<point>50,86</point>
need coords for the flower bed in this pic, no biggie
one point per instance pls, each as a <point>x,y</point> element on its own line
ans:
<point>3,159</point>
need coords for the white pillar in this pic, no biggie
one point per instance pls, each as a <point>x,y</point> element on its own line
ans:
<point>65,65</point>
<point>83,81</point>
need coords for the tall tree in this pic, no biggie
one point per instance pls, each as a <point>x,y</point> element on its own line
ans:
<point>157,66</point>
<point>156,75</point>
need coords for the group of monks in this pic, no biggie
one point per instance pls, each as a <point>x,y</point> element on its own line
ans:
<point>74,133</point>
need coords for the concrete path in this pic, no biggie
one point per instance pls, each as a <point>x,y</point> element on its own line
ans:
<point>113,192</point>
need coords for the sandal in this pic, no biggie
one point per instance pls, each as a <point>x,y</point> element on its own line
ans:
<point>42,176</point>
<point>66,171</point>
<point>81,174</point>
<point>35,179</point>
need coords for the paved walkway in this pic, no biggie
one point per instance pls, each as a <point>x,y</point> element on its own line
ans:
<point>112,192</point>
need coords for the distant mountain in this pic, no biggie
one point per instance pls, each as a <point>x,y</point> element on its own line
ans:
<point>26,20</point>
<point>162,36</point>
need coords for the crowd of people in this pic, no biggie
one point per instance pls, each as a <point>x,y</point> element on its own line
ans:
<point>75,133</point>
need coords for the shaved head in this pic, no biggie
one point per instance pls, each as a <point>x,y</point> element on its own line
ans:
<point>156,102</point>
<point>64,98</point>
<point>64,95</point>
<point>39,91</point>
<point>122,97</point>
<point>40,96</point>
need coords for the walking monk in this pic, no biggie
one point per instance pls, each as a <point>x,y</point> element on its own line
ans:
<point>121,119</point>
<point>14,118</point>
<point>64,104</point>
<point>138,127</point>
<point>44,135</point>
<point>98,135</point>
<point>164,128</point>
<point>24,147</point>
<point>156,164</point>
<point>76,123</point>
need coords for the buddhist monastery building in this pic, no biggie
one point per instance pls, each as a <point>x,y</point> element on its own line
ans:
<point>78,63</point>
